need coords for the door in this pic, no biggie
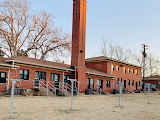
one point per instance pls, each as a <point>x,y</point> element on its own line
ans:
<point>101,84</point>
<point>124,83</point>
<point>2,77</point>
<point>56,80</point>
<point>136,85</point>
<point>37,74</point>
<point>88,83</point>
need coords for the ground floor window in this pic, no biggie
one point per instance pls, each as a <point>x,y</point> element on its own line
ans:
<point>40,75</point>
<point>132,82</point>
<point>54,76</point>
<point>117,80</point>
<point>90,83</point>
<point>108,84</point>
<point>2,77</point>
<point>158,83</point>
<point>129,82</point>
<point>66,79</point>
<point>24,74</point>
<point>139,83</point>
<point>121,79</point>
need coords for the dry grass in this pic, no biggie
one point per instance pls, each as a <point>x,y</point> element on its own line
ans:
<point>93,107</point>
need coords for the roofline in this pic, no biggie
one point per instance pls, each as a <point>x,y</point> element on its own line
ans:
<point>38,65</point>
<point>110,59</point>
<point>152,78</point>
<point>9,65</point>
<point>90,73</point>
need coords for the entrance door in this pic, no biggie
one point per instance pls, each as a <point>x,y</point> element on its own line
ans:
<point>2,77</point>
<point>136,85</point>
<point>100,84</point>
<point>124,83</point>
<point>37,79</point>
<point>88,83</point>
<point>56,80</point>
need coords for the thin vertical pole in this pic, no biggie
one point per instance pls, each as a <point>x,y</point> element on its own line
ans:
<point>78,89</point>
<point>148,92</point>
<point>13,82</point>
<point>75,78</point>
<point>72,96</point>
<point>120,93</point>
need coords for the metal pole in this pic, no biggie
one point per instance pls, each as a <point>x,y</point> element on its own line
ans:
<point>75,78</point>
<point>72,96</point>
<point>120,93</point>
<point>78,89</point>
<point>148,92</point>
<point>13,82</point>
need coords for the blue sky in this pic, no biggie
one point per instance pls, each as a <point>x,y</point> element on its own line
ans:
<point>128,23</point>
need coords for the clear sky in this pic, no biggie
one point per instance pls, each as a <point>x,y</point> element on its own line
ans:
<point>128,23</point>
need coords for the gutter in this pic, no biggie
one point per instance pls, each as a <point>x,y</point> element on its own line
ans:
<point>37,64</point>
<point>90,73</point>
<point>9,65</point>
<point>105,59</point>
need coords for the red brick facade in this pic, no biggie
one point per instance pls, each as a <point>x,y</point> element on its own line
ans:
<point>107,66</point>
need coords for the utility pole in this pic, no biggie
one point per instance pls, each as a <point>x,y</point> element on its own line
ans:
<point>145,47</point>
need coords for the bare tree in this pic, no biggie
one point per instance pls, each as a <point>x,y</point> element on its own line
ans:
<point>115,51</point>
<point>153,64</point>
<point>35,33</point>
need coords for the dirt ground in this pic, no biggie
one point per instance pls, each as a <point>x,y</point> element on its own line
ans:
<point>92,107</point>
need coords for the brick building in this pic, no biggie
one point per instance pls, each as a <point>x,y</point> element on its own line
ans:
<point>93,73</point>
<point>153,80</point>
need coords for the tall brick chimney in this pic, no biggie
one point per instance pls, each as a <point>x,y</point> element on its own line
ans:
<point>78,41</point>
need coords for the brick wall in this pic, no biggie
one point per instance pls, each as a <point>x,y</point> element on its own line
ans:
<point>107,67</point>
<point>28,84</point>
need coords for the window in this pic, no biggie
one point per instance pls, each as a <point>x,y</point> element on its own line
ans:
<point>24,74</point>
<point>40,75</point>
<point>121,79</point>
<point>139,83</point>
<point>91,81</point>
<point>133,71</point>
<point>2,77</point>
<point>66,77</point>
<point>54,76</point>
<point>97,82</point>
<point>136,72</point>
<point>112,67</point>
<point>108,84</point>
<point>124,70</point>
<point>128,70</point>
<point>132,82</point>
<point>117,80</point>
<point>117,68</point>
<point>129,82</point>
<point>158,83</point>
